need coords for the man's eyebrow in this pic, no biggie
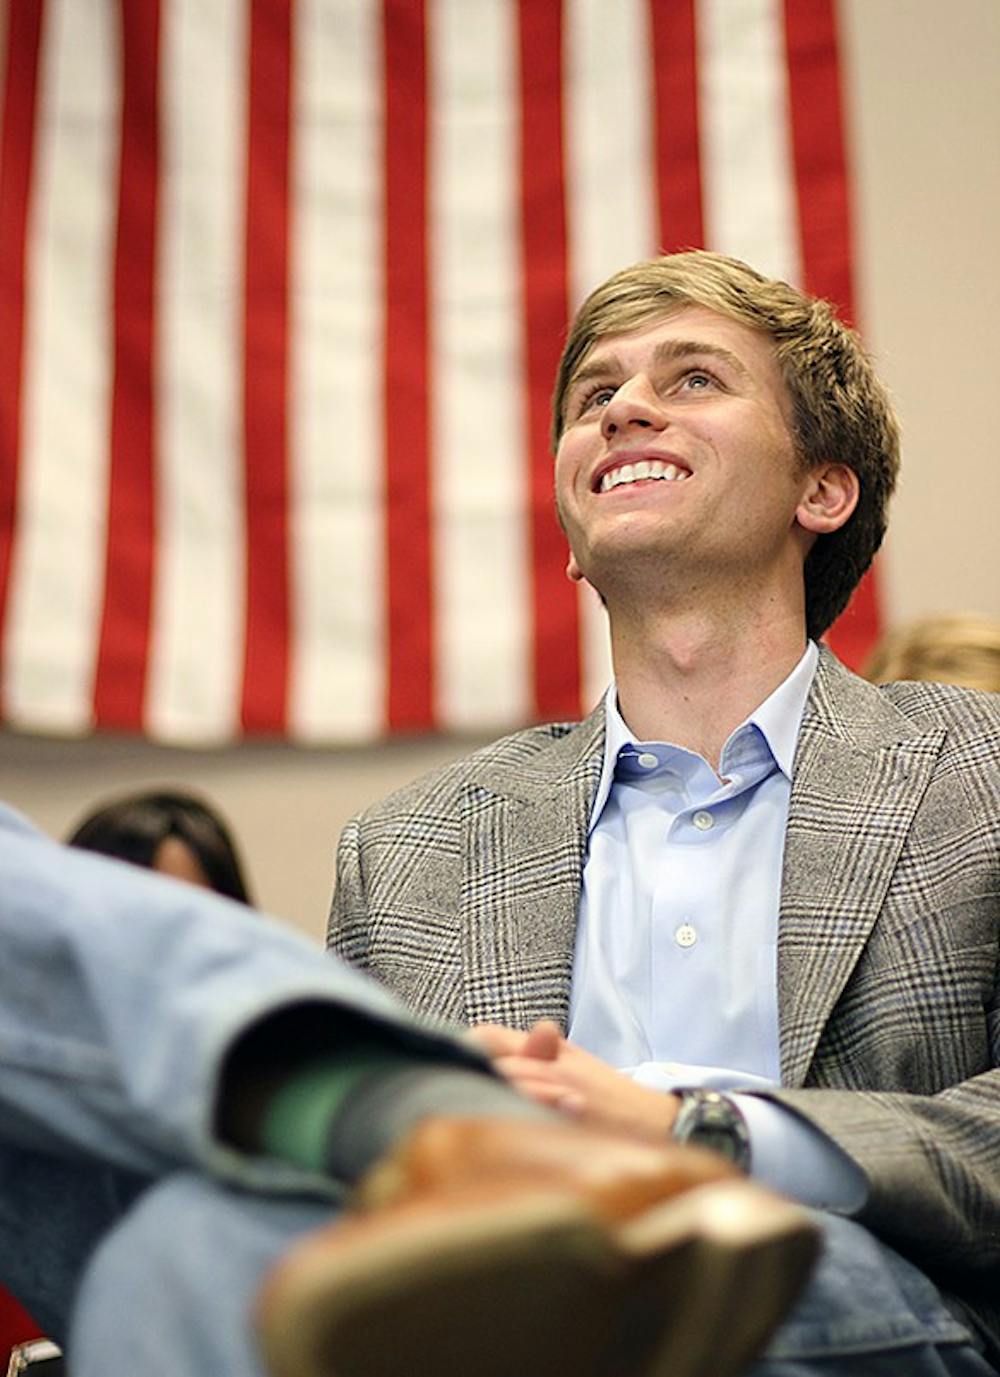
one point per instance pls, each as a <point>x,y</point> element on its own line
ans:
<point>670,351</point>
<point>603,366</point>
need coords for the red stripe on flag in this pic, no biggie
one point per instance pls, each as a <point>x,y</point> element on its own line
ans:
<point>124,637</point>
<point>821,180</point>
<point>406,384</point>
<point>819,153</point>
<point>17,145</point>
<point>678,155</point>
<point>265,377</point>
<point>555,605</point>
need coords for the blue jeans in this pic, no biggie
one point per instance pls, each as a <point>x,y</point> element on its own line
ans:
<point>867,1312</point>
<point>170,1291</point>
<point>199,1250</point>
<point>120,996</point>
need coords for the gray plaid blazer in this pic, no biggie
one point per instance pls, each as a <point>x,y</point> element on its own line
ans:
<point>460,893</point>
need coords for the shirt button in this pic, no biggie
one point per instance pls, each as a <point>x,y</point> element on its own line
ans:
<point>685,936</point>
<point>648,761</point>
<point>703,820</point>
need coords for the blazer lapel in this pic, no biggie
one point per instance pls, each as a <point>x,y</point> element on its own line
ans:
<point>860,771</point>
<point>524,837</point>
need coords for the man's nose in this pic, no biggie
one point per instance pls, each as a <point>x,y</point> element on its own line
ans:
<point>634,404</point>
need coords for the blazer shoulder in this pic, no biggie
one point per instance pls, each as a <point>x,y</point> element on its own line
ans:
<point>945,705</point>
<point>850,707</point>
<point>533,753</point>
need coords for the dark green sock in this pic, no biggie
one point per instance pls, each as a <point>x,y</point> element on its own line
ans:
<point>296,1122</point>
<point>339,1113</point>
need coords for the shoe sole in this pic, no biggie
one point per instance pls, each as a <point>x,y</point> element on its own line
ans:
<point>538,1287</point>
<point>730,1260</point>
<point>523,1289</point>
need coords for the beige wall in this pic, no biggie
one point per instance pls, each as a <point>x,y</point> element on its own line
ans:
<point>925,138</point>
<point>286,806</point>
<point>925,129</point>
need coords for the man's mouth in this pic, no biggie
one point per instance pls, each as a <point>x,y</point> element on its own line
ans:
<point>643,469</point>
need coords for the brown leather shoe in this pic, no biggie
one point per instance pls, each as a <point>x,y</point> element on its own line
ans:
<point>615,1173</point>
<point>514,1249</point>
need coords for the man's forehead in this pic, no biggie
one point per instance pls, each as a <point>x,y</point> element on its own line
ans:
<point>679,332</point>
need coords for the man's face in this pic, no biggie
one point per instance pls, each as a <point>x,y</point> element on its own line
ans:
<point>678,444</point>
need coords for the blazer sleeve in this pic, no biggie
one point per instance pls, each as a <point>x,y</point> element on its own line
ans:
<point>931,1162</point>
<point>347,931</point>
<point>905,1075</point>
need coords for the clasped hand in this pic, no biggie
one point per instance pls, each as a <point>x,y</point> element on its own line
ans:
<point>547,1068</point>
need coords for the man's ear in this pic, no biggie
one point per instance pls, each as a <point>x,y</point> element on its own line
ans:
<point>573,570</point>
<point>829,500</point>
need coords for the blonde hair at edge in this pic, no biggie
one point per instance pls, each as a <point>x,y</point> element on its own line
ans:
<point>957,648</point>
<point>841,410</point>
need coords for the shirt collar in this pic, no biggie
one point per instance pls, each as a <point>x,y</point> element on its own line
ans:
<point>780,715</point>
<point>778,720</point>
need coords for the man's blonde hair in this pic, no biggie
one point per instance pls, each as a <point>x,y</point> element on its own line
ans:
<point>841,411</point>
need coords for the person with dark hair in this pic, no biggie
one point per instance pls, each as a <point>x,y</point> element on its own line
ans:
<point>752,900</point>
<point>172,832</point>
<point>225,1154</point>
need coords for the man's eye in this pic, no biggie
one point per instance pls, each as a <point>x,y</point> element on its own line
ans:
<point>598,396</point>
<point>697,380</point>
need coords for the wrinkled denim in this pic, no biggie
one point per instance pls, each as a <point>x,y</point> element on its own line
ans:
<point>868,1312</point>
<point>222,1241</point>
<point>865,1313</point>
<point>120,996</point>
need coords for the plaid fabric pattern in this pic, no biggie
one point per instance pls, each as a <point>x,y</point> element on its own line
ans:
<point>460,892</point>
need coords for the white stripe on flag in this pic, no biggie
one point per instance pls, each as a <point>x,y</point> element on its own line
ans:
<point>199,571</point>
<point>479,478</point>
<point>747,171</point>
<point>337,644</point>
<point>609,105</point>
<point>611,205</point>
<point>59,553</point>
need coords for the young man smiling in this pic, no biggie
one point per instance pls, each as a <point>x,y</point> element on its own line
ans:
<point>701,567</point>
<point>761,887</point>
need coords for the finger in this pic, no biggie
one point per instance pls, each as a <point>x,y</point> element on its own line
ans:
<point>545,1041</point>
<point>543,1093</point>
<point>496,1040</point>
<point>530,1068</point>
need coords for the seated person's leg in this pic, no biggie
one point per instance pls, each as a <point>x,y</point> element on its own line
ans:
<point>53,1212</point>
<point>867,1312</point>
<point>128,1009</point>
<point>534,1248</point>
<point>171,1289</point>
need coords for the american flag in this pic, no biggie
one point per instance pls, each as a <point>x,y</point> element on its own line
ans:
<point>283,284</point>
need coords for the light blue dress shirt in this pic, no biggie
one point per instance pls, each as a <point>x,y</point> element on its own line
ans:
<point>675,976</point>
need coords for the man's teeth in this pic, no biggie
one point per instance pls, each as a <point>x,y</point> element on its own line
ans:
<point>645,468</point>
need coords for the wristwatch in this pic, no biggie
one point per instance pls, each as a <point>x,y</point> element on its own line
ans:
<point>714,1121</point>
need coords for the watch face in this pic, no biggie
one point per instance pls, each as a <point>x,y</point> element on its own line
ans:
<point>712,1121</point>
<point>720,1140</point>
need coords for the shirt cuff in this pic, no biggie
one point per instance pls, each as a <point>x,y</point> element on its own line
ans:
<point>787,1152</point>
<point>793,1156</point>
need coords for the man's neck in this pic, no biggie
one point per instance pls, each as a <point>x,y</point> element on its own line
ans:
<point>692,678</point>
